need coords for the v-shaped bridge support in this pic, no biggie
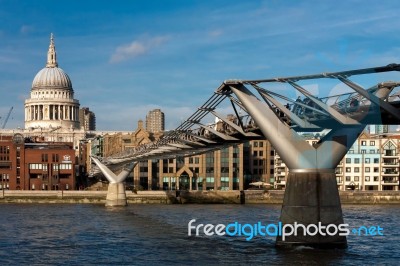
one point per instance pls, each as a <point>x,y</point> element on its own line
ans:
<point>311,195</point>
<point>116,195</point>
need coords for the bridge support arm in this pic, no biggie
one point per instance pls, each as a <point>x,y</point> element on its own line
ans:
<point>116,195</point>
<point>292,148</point>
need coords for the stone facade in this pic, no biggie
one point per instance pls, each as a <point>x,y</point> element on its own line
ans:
<point>51,104</point>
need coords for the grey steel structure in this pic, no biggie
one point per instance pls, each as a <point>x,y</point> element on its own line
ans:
<point>311,195</point>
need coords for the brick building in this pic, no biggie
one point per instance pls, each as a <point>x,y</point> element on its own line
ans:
<point>29,164</point>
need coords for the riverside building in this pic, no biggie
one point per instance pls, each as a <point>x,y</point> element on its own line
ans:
<point>29,164</point>
<point>232,168</point>
<point>372,163</point>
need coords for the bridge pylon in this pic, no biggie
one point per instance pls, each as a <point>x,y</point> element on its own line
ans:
<point>116,195</point>
<point>311,196</point>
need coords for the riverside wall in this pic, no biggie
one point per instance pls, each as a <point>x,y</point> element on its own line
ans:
<point>187,197</point>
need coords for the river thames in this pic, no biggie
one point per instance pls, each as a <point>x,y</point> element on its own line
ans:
<point>85,234</point>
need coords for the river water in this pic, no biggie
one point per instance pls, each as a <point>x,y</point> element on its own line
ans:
<point>73,234</point>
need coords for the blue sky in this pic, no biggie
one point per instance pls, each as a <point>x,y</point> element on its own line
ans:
<point>127,57</point>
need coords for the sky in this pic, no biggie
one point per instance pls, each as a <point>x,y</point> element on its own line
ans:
<point>126,58</point>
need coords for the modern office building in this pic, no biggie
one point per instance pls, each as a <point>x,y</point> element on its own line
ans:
<point>155,121</point>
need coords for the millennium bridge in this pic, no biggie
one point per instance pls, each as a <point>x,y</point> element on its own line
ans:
<point>258,111</point>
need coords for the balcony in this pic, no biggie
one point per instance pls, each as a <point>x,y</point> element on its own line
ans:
<point>281,174</point>
<point>390,181</point>
<point>389,154</point>
<point>390,172</point>
<point>390,163</point>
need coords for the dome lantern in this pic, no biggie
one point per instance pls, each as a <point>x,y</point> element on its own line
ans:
<point>51,54</point>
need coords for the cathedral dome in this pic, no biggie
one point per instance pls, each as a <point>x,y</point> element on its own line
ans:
<point>51,104</point>
<point>52,77</point>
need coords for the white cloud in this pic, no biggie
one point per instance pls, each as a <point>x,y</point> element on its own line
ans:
<point>136,48</point>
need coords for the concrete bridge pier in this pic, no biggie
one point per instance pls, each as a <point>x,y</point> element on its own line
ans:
<point>116,195</point>
<point>312,202</point>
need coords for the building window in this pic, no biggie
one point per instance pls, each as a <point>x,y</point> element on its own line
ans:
<point>348,160</point>
<point>224,169</point>
<point>376,169</point>
<point>224,183</point>
<point>376,160</point>
<point>367,169</point>
<point>372,151</point>
<point>255,153</point>
<point>348,178</point>
<point>367,179</point>
<point>356,169</point>
<point>367,160</point>
<point>363,143</point>
<point>372,143</point>
<point>55,157</point>
<point>356,178</point>
<point>363,151</point>
<point>376,178</point>
<point>348,169</point>
<point>357,160</point>
<point>261,153</point>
